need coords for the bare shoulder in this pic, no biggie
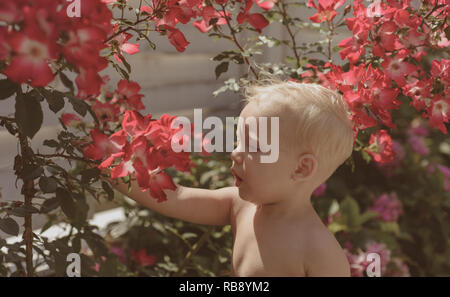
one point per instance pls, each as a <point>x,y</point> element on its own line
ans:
<point>323,254</point>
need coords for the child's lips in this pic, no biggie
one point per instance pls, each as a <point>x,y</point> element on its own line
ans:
<point>238,180</point>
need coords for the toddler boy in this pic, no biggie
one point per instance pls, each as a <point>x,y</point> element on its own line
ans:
<point>276,230</point>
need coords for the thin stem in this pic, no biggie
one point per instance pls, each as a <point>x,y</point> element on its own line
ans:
<point>282,8</point>
<point>127,28</point>
<point>7,119</point>
<point>28,192</point>
<point>330,38</point>
<point>62,156</point>
<point>234,39</point>
<point>195,248</point>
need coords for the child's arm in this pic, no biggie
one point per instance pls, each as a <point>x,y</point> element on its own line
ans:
<point>200,206</point>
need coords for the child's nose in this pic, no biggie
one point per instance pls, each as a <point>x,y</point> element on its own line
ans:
<point>236,156</point>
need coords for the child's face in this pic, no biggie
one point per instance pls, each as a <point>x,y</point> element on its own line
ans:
<point>259,182</point>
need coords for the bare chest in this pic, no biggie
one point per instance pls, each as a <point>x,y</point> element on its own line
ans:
<point>263,252</point>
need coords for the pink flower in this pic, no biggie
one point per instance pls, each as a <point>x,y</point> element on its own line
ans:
<point>388,207</point>
<point>120,253</point>
<point>382,251</point>
<point>320,190</point>
<point>357,263</point>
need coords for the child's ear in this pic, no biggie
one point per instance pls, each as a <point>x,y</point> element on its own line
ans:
<point>306,167</point>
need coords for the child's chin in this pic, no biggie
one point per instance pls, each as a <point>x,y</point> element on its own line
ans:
<point>243,193</point>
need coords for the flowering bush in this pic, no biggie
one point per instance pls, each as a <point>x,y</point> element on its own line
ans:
<point>393,74</point>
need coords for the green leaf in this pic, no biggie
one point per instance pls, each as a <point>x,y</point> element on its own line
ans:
<point>23,211</point>
<point>88,175</point>
<point>55,100</point>
<point>108,268</point>
<point>47,184</point>
<point>367,216</point>
<point>67,203</point>
<point>50,204</point>
<point>31,172</point>
<point>29,114</point>
<point>9,226</point>
<point>366,156</point>
<point>66,81</point>
<point>51,143</point>
<point>221,68</point>
<point>76,244</point>
<point>81,211</point>
<point>221,56</point>
<point>7,88</point>
<point>390,227</point>
<point>79,105</point>
<point>124,61</point>
<point>47,225</point>
<point>108,190</point>
<point>335,227</point>
<point>350,210</point>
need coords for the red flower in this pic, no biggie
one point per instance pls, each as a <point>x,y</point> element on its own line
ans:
<point>381,147</point>
<point>439,112</point>
<point>31,56</point>
<point>397,69</point>
<point>353,48</point>
<point>10,11</point>
<point>88,82</point>
<point>177,38</point>
<point>134,124</point>
<point>71,120</point>
<point>209,13</point>
<point>326,10</point>
<point>128,91</point>
<point>256,20</point>
<point>103,145</point>
<point>142,258</point>
<point>106,112</point>
<point>158,183</point>
<point>124,46</point>
<point>386,39</point>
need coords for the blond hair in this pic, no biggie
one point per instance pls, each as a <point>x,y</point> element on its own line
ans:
<point>322,119</point>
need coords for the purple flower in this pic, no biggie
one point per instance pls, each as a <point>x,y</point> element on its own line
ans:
<point>382,251</point>
<point>418,145</point>
<point>120,253</point>
<point>389,207</point>
<point>446,172</point>
<point>418,131</point>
